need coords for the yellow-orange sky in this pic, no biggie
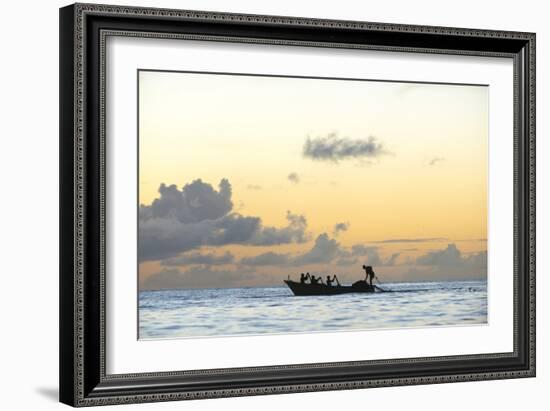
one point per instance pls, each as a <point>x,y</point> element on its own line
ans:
<point>429,180</point>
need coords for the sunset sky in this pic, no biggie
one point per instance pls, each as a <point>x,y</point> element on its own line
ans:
<point>244,180</point>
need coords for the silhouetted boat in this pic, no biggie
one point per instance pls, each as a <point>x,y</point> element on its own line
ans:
<point>323,289</point>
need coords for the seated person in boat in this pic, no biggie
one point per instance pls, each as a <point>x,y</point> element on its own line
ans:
<point>304,277</point>
<point>369,273</point>
<point>329,281</point>
<point>314,280</point>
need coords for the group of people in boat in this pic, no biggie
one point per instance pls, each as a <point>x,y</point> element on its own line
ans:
<point>369,276</point>
<point>318,280</point>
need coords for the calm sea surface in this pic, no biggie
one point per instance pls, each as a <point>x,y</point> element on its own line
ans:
<point>238,311</point>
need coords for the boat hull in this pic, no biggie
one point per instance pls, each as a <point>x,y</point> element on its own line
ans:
<point>322,289</point>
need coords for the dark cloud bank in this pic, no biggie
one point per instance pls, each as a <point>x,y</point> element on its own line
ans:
<point>198,215</point>
<point>180,222</point>
<point>439,265</point>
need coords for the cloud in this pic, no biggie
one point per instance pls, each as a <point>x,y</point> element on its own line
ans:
<point>410,240</point>
<point>333,148</point>
<point>196,277</point>
<point>235,229</point>
<point>367,255</point>
<point>198,258</point>
<point>162,238</point>
<point>347,261</point>
<point>294,232</point>
<point>195,202</point>
<point>392,259</point>
<point>198,215</point>
<point>340,228</point>
<point>361,250</point>
<point>293,178</point>
<point>450,263</point>
<point>435,160</point>
<point>476,260</point>
<point>448,256</point>
<point>269,258</point>
<point>253,187</point>
<point>325,250</point>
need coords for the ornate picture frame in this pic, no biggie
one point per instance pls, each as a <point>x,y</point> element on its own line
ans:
<point>84,30</point>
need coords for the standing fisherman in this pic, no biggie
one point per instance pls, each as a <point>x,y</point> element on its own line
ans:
<point>369,274</point>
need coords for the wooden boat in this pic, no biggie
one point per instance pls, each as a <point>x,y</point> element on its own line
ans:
<point>323,289</point>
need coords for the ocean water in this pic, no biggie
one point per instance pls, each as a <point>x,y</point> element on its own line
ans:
<point>275,310</point>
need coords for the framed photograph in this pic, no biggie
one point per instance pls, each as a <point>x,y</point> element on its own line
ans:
<point>262,204</point>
